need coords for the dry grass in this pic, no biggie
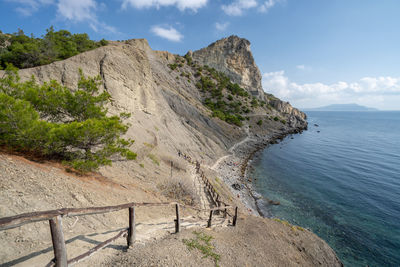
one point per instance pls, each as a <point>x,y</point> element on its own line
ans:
<point>177,163</point>
<point>180,189</point>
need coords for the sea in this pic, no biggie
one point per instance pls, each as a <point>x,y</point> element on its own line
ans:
<point>341,180</point>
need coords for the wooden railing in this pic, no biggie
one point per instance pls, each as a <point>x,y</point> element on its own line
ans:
<point>215,196</point>
<point>55,220</point>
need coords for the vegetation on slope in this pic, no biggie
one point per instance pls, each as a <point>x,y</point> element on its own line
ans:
<point>24,52</point>
<point>55,122</point>
<point>226,100</point>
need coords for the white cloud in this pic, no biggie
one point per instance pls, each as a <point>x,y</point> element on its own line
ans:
<point>221,26</point>
<point>180,4</point>
<point>77,10</point>
<point>72,10</point>
<point>268,5</point>
<point>83,10</point>
<point>237,7</point>
<point>168,33</point>
<point>28,7</point>
<point>317,94</point>
<point>301,67</point>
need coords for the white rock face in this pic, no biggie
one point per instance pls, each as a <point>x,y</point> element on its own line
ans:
<point>233,57</point>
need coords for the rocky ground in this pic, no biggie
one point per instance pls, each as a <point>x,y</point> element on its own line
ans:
<point>253,242</point>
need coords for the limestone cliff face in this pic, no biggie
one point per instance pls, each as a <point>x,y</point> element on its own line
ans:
<point>233,57</point>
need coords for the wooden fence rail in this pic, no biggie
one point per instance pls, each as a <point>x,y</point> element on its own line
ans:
<point>215,196</point>
<point>55,220</point>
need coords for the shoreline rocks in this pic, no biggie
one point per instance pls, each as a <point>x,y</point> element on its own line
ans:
<point>235,167</point>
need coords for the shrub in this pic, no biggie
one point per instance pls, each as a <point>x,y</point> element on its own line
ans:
<point>179,189</point>
<point>259,122</point>
<point>202,242</point>
<point>52,121</point>
<point>197,74</point>
<point>254,103</point>
<point>173,66</point>
<point>189,59</point>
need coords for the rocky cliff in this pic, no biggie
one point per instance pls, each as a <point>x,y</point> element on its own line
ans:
<point>232,56</point>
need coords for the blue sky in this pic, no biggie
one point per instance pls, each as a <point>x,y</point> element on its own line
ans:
<point>310,52</point>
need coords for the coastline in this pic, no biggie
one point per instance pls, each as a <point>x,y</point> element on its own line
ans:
<point>234,167</point>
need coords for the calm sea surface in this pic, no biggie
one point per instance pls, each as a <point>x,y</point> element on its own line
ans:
<point>343,183</point>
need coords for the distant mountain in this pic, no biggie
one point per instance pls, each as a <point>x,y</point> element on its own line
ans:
<point>342,107</point>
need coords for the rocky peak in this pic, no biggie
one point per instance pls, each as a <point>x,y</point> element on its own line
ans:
<point>232,56</point>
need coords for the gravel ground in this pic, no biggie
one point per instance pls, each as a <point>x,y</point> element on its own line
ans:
<point>279,244</point>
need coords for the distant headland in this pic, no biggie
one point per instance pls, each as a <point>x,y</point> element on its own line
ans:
<point>342,107</point>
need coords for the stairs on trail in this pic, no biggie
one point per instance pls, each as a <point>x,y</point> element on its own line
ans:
<point>205,199</point>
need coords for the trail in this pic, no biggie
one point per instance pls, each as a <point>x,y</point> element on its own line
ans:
<point>231,150</point>
<point>204,197</point>
<point>145,232</point>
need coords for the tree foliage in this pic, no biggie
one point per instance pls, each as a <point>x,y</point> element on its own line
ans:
<point>24,52</point>
<point>53,121</point>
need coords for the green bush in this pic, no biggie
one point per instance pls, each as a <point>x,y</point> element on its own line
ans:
<point>254,103</point>
<point>173,66</point>
<point>276,119</point>
<point>24,52</point>
<point>189,59</point>
<point>52,121</point>
<point>259,122</point>
<point>202,242</point>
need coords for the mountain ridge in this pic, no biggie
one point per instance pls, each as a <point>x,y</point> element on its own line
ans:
<point>342,107</point>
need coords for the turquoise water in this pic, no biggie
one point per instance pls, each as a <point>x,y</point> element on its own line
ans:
<point>343,183</point>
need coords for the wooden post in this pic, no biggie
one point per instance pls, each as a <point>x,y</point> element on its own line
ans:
<point>225,211</point>
<point>177,221</point>
<point>132,227</point>
<point>235,217</point>
<point>172,164</point>
<point>210,219</point>
<point>57,236</point>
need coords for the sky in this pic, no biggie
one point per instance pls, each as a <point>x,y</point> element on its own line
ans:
<point>310,52</point>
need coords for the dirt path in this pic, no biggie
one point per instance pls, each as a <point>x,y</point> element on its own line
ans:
<point>145,232</point>
<point>232,149</point>
<point>204,196</point>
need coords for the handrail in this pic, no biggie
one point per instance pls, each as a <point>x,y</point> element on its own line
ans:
<point>55,217</point>
<point>21,219</point>
<point>215,196</point>
<point>30,217</point>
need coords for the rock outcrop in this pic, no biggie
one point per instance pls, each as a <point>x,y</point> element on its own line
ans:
<point>233,57</point>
